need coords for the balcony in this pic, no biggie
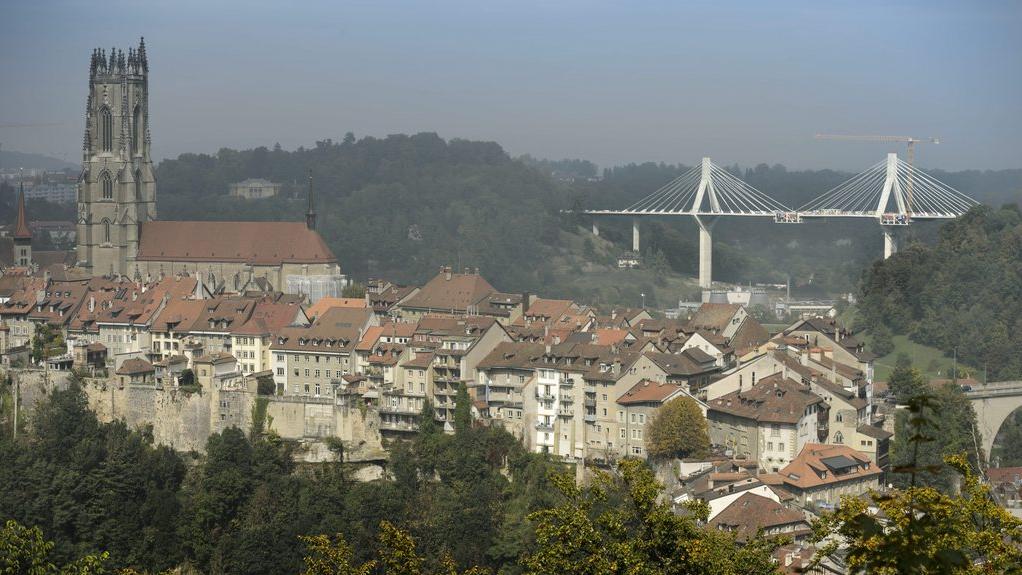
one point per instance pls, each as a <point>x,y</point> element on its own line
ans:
<point>543,426</point>
<point>566,412</point>
<point>566,398</point>
<point>590,418</point>
<point>398,426</point>
<point>568,382</point>
<point>590,402</point>
<point>399,409</point>
<point>540,394</point>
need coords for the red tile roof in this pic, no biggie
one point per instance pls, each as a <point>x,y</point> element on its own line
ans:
<point>811,468</point>
<point>451,291</point>
<point>751,512</point>
<point>267,243</point>
<point>647,391</point>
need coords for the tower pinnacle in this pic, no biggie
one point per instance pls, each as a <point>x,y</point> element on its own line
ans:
<point>310,214</point>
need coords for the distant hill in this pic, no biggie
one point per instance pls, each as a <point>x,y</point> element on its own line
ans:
<point>14,160</point>
<point>400,207</point>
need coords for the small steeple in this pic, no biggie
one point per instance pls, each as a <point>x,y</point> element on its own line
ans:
<point>310,215</point>
<point>21,231</point>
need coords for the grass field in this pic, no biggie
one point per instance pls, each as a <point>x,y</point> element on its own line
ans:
<point>929,360</point>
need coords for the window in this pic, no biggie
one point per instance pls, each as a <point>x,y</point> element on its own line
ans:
<point>770,446</point>
<point>138,186</point>
<point>317,373</point>
<point>623,434</point>
<point>306,388</point>
<point>632,418</point>
<point>838,418</point>
<point>106,231</point>
<point>106,129</point>
<point>138,124</point>
<point>636,450</point>
<point>328,373</point>
<point>621,417</point>
<point>838,438</point>
<point>642,418</point>
<point>780,447</point>
<point>604,397</point>
<point>317,389</point>
<point>296,373</point>
<point>604,411</point>
<point>280,371</point>
<point>108,186</point>
<point>306,374</point>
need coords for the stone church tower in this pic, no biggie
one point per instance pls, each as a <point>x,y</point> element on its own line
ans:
<point>117,187</point>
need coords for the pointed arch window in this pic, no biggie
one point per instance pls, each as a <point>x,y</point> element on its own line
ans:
<point>106,231</point>
<point>838,438</point>
<point>136,140</point>
<point>138,185</point>
<point>108,186</point>
<point>106,129</point>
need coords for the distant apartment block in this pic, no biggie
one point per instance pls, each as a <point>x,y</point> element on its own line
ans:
<point>53,193</point>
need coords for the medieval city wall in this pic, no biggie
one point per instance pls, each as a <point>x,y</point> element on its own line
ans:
<point>185,421</point>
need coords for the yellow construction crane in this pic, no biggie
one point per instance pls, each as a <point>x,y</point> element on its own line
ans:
<point>909,141</point>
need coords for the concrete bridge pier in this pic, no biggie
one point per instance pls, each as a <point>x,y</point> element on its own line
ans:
<point>705,250</point>
<point>890,242</point>
<point>635,235</point>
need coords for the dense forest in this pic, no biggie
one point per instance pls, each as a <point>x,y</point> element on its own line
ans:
<point>401,206</point>
<point>466,498</point>
<point>963,292</point>
<point>82,497</point>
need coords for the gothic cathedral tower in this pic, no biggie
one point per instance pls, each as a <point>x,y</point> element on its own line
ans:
<point>117,188</point>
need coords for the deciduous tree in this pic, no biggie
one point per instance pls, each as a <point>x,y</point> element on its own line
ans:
<point>678,429</point>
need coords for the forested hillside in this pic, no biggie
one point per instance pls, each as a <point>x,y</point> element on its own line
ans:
<point>401,206</point>
<point>963,292</point>
<point>475,497</point>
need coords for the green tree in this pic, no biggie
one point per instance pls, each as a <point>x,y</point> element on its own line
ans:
<point>462,408</point>
<point>883,342</point>
<point>23,550</point>
<point>921,444</point>
<point>920,529</point>
<point>906,383</point>
<point>588,534</point>
<point>354,290</point>
<point>678,429</point>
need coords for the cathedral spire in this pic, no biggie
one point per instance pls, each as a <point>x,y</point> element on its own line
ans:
<point>21,231</point>
<point>310,215</point>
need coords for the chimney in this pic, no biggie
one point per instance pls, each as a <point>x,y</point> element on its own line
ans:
<point>447,273</point>
<point>92,303</point>
<point>617,367</point>
<point>525,302</point>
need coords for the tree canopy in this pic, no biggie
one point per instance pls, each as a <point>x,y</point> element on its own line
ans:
<point>963,293</point>
<point>678,429</point>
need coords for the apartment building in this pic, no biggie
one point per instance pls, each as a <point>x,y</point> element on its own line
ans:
<point>310,360</point>
<point>768,423</point>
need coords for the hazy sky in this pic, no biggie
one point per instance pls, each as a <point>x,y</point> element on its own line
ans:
<point>612,82</point>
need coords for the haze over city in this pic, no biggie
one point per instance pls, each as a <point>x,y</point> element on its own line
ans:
<point>608,82</point>
<point>510,288</point>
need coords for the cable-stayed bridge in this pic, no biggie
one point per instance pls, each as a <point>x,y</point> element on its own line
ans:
<point>892,192</point>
